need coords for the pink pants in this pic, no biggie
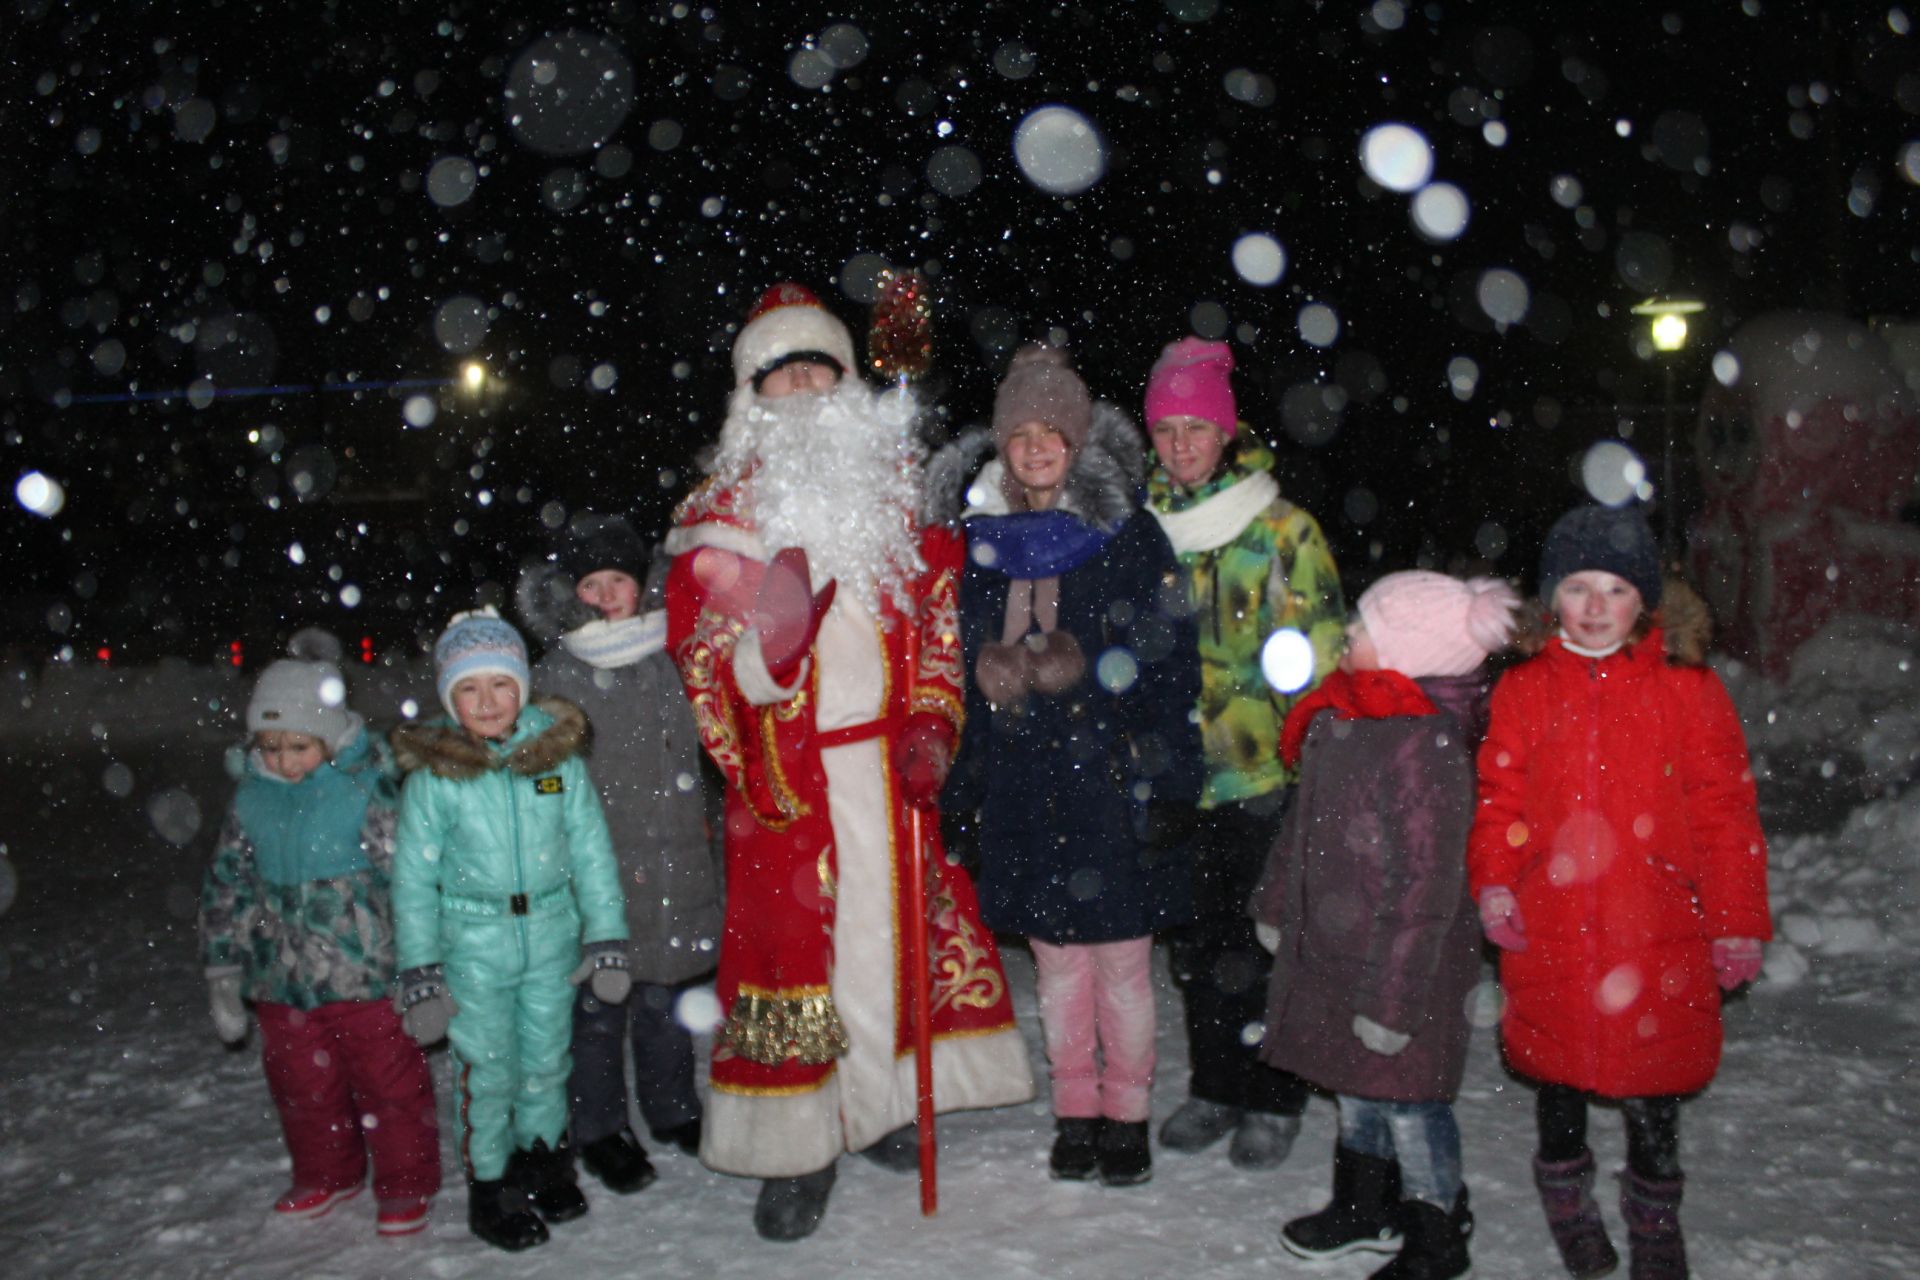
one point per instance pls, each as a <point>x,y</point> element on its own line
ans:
<point>348,1080</point>
<point>1098,995</point>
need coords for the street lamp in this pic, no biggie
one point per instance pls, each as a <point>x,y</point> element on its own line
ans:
<point>473,377</point>
<point>1668,330</point>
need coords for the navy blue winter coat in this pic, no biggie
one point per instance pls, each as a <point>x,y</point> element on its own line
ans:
<point>1059,781</point>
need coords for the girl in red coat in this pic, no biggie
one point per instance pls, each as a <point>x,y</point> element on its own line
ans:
<point>1618,863</point>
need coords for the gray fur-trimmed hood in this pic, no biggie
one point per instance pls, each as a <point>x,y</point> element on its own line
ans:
<point>448,751</point>
<point>1103,481</point>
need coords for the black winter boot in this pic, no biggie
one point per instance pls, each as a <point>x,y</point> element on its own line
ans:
<point>1652,1210</point>
<point>619,1161</point>
<point>1125,1159</point>
<point>498,1212</point>
<point>545,1174</point>
<point>791,1208</point>
<point>1566,1193</point>
<point>896,1152</point>
<point>1433,1242</point>
<point>1076,1148</point>
<point>1363,1215</point>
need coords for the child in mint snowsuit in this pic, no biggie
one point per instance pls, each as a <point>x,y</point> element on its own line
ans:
<point>294,917</point>
<point>506,896</point>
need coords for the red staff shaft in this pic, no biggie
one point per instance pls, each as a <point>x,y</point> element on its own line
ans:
<point>919,973</point>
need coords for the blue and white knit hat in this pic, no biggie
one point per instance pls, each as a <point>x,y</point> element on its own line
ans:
<point>478,642</point>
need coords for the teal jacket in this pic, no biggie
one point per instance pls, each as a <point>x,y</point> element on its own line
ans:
<point>494,834</point>
<point>297,895</point>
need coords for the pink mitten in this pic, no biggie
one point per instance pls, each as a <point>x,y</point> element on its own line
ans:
<point>1500,918</point>
<point>1736,961</point>
<point>787,612</point>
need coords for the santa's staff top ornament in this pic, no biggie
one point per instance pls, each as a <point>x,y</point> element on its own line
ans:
<point>900,339</point>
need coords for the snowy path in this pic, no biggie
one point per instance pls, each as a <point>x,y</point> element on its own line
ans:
<point>132,1144</point>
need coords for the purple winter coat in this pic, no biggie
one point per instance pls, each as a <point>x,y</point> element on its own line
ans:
<point>1368,887</point>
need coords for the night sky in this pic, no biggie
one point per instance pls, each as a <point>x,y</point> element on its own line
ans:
<point>207,202</point>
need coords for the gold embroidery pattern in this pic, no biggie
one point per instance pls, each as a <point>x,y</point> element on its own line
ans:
<point>940,636</point>
<point>829,887</point>
<point>961,975</point>
<point>699,659</point>
<point>785,798</point>
<point>773,1028</point>
<point>940,702</point>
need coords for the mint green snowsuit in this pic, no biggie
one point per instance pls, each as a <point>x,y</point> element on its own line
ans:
<point>503,868</point>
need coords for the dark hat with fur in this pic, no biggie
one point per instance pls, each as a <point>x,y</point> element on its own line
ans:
<point>1613,540</point>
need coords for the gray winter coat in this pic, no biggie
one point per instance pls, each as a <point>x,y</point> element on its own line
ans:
<point>645,758</point>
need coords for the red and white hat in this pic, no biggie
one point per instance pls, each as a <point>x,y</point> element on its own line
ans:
<point>788,322</point>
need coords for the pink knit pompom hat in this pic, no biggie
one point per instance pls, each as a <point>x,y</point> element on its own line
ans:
<point>1430,624</point>
<point>1190,380</point>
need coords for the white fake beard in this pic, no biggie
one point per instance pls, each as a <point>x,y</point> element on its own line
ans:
<point>836,474</point>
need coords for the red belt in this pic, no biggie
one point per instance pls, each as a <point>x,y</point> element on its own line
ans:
<point>884,726</point>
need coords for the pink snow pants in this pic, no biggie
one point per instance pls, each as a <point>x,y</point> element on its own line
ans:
<point>348,1080</point>
<point>1098,995</point>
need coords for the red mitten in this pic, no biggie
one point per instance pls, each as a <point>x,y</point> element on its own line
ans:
<point>787,612</point>
<point>921,757</point>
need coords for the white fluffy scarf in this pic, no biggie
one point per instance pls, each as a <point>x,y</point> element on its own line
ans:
<point>604,645</point>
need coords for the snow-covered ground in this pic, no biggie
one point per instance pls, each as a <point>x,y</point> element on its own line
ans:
<point>132,1144</point>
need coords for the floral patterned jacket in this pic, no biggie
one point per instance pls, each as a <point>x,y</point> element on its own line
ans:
<point>313,942</point>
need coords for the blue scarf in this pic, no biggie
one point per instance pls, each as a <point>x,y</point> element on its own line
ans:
<point>310,830</point>
<point>1033,544</point>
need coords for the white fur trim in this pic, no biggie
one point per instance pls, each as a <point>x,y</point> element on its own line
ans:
<point>1217,521</point>
<point>757,684</point>
<point>711,533</point>
<point>788,329</point>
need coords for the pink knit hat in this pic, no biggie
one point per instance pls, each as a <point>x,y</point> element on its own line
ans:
<point>1429,624</point>
<point>1189,380</point>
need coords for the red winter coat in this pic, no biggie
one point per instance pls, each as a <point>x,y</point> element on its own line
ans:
<point>1617,804</point>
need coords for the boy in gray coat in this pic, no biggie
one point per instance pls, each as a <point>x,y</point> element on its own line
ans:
<point>606,654</point>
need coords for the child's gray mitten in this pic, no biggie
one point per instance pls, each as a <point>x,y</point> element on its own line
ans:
<point>424,1004</point>
<point>1382,1040</point>
<point>223,1002</point>
<point>603,966</point>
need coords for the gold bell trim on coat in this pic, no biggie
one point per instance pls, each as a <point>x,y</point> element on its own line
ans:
<point>773,1030</point>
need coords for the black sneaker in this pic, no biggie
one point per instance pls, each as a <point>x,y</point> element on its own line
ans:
<point>546,1176</point>
<point>619,1161</point>
<point>499,1213</point>
<point>684,1136</point>
<point>1125,1160</point>
<point>1076,1148</point>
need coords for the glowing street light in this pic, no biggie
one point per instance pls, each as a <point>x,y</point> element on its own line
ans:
<point>1668,330</point>
<point>473,377</point>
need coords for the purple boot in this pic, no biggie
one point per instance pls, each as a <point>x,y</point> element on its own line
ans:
<point>1566,1193</point>
<point>1652,1211</point>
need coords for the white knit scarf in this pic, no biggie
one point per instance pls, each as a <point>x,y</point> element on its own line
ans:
<point>605,645</point>
<point>1218,520</point>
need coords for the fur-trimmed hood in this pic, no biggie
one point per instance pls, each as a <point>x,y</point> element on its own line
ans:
<point>1102,485</point>
<point>549,731</point>
<point>1685,622</point>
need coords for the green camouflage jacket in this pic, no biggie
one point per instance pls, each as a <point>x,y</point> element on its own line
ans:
<point>1250,573</point>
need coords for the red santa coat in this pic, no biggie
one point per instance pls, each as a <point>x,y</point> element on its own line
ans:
<point>815,1054</point>
<point>1617,803</point>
